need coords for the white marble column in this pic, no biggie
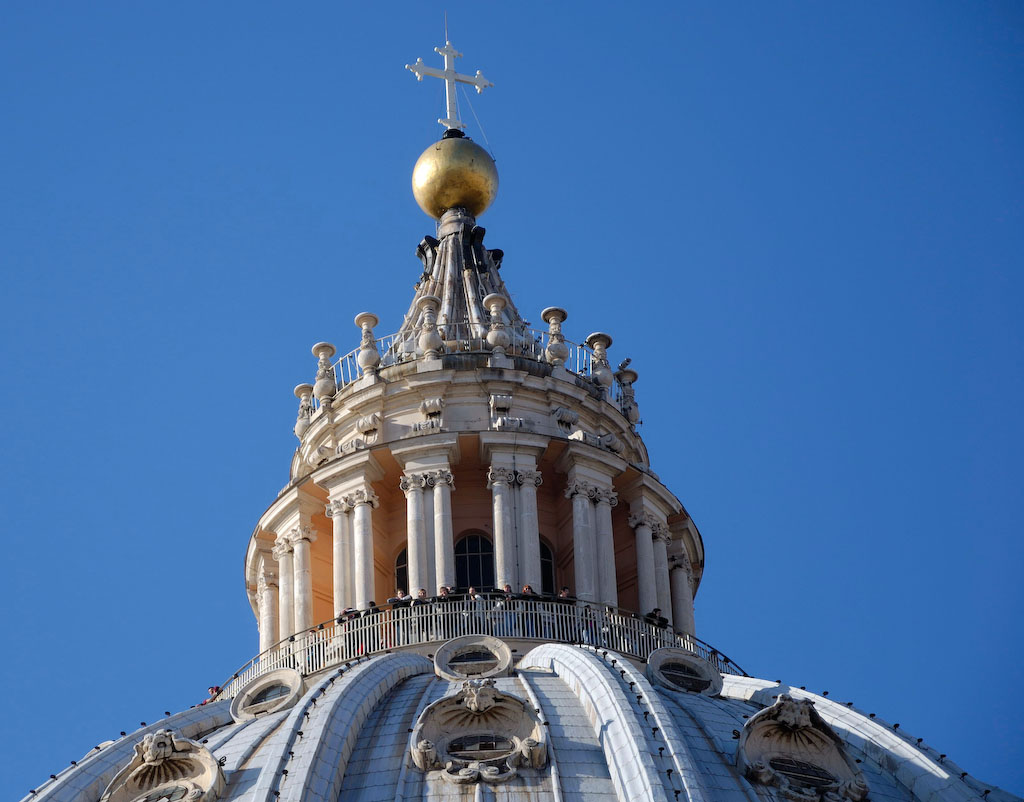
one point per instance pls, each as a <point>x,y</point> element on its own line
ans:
<point>607,582</point>
<point>682,596</point>
<point>363,501</point>
<point>301,537</point>
<point>500,481</point>
<point>529,530</point>
<point>661,582</point>
<point>429,556</point>
<point>647,590</point>
<point>416,535</point>
<point>341,554</point>
<point>584,545</point>
<point>266,594</point>
<point>286,594</point>
<point>444,537</point>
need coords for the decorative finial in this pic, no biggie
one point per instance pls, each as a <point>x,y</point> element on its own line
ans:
<point>450,78</point>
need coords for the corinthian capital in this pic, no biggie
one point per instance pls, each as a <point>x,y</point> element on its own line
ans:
<point>303,532</point>
<point>338,507</point>
<point>505,476</point>
<point>578,488</point>
<point>529,478</point>
<point>638,519</point>
<point>443,477</point>
<point>661,532</point>
<point>282,546</point>
<point>265,582</point>
<point>362,496</point>
<point>412,481</point>
<point>607,495</point>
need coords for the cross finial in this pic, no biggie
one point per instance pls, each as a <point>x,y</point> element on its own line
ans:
<point>450,79</point>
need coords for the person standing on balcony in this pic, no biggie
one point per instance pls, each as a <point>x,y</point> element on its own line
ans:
<point>399,617</point>
<point>420,614</point>
<point>528,614</point>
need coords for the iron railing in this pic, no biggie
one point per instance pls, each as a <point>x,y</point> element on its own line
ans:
<point>400,626</point>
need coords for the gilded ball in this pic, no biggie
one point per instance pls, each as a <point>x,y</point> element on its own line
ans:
<point>454,172</point>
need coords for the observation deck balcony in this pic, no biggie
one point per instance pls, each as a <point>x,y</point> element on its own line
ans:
<point>425,626</point>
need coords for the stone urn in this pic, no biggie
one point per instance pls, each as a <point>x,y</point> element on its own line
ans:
<point>625,377</point>
<point>497,337</point>
<point>600,370</point>
<point>368,357</point>
<point>325,386</point>
<point>430,341</point>
<point>557,351</point>
<point>303,393</point>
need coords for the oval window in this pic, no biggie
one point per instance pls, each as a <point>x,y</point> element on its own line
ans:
<point>685,677</point>
<point>480,747</point>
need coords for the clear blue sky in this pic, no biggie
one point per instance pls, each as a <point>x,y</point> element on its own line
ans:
<point>803,221</point>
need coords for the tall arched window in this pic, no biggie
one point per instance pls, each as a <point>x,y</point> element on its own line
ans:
<point>402,571</point>
<point>547,570</point>
<point>474,562</point>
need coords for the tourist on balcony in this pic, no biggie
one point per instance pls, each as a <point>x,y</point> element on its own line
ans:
<point>529,612</point>
<point>504,615</point>
<point>421,614</point>
<point>371,637</point>
<point>473,612</point>
<point>442,613</point>
<point>399,617</point>
<point>565,623</point>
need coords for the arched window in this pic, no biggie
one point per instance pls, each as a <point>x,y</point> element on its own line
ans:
<point>402,570</point>
<point>474,562</point>
<point>547,570</point>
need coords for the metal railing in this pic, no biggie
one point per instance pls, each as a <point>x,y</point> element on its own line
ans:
<point>405,625</point>
<point>463,338</point>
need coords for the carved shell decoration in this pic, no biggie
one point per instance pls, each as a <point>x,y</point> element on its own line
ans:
<point>167,763</point>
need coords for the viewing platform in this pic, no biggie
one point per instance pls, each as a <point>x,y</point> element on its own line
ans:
<point>417,627</point>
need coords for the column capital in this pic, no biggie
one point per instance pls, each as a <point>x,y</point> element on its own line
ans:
<point>442,477</point>
<point>411,482</point>
<point>282,546</point>
<point>300,533</point>
<point>500,476</point>
<point>338,506</point>
<point>266,581</point>
<point>578,488</point>
<point>529,478</point>
<point>606,495</point>
<point>639,519</point>
<point>362,496</point>
<point>661,532</point>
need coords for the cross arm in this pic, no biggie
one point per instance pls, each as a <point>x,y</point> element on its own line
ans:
<point>420,69</point>
<point>477,80</point>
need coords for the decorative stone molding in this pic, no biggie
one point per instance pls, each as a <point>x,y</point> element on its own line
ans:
<point>166,762</point>
<point>447,663</point>
<point>607,495</point>
<point>265,581</point>
<point>368,357</point>
<point>789,746</point>
<point>363,496</point>
<point>565,418</point>
<point>505,476</point>
<point>442,477</point>
<point>282,545</point>
<point>497,337</point>
<point>369,426</point>
<point>625,377</point>
<point>680,670</point>
<point>556,351</point>
<point>578,488</point>
<point>269,693</point>
<point>338,506</point>
<point>643,519</point>
<point>682,562</point>
<point>303,393</point>
<point>612,443</point>
<point>325,386</point>
<point>440,740</point>
<point>529,478</point>
<point>501,405</point>
<point>660,531</point>
<point>432,409</point>
<point>586,437</point>
<point>413,482</point>
<point>302,533</point>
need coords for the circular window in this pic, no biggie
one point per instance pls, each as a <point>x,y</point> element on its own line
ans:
<point>472,657</point>
<point>681,670</point>
<point>276,690</point>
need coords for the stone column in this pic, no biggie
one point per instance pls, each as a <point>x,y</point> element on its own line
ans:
<point>500,481</point>
<point>429,551</point>
<point>416,535</point>
<point>584,546</point>
<point>529,529</point>
<point>266,594</point>
<point>444,537</point>
<point>682,596</point>
<point>661,582</point>
<point>301,537</point>
<point>363,501</point>
<point>607,582</point>
<point>286,596</point>
<point>341,555</point>
<point>643,524</point>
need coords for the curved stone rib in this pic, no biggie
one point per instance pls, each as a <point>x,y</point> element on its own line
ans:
<point>632,768</point>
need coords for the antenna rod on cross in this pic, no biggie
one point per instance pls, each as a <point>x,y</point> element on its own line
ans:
<point>451,78</point>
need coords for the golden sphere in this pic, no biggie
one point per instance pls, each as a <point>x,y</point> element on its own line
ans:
<point>454,172</point>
